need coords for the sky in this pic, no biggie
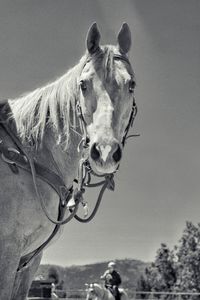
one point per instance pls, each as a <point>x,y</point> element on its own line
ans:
<point>158,185</point>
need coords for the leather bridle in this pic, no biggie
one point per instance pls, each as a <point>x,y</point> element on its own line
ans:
<point>84,165</point>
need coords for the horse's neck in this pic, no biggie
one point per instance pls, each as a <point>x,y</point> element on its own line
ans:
<point>63,162</point>
<point>54,156</point>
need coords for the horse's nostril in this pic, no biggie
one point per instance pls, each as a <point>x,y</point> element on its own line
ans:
<point>117,155</point>
<point>95,152</point>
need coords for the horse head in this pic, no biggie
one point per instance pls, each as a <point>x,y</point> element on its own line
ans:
<point>106,98</point>
<point>90,292</point>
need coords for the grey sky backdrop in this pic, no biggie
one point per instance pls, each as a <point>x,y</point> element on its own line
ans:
<point>158,185</point>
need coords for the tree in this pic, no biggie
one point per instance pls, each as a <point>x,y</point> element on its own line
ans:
<point>143,286</point>
<point>188,259</point>
<point>161,275</point>
<point>177,270</point>
<point>166,269</point>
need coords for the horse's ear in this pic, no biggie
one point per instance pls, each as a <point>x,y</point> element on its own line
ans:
<point>93,38</point>
<point>124,39</point>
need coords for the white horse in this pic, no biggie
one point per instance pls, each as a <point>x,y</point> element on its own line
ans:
<point>99,292</point>
<point>47,137</point>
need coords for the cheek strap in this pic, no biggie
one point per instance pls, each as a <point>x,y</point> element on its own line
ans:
<point>130,123</point>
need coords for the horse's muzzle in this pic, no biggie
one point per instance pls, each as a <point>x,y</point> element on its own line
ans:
<point>106,157</point>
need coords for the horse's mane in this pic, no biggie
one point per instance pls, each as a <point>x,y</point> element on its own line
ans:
<point>51,104</point>
<point>54,104</point>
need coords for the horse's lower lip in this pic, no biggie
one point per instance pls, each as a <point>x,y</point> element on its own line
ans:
<point>100,169</point>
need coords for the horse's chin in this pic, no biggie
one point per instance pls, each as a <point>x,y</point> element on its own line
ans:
<point>102,169</point>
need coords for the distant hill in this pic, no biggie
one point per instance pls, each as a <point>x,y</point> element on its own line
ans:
<point>75,277</point>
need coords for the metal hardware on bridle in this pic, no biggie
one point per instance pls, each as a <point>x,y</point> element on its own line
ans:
<point>84,181</point>
<point>106,184</point>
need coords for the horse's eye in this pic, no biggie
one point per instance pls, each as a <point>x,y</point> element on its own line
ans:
<point>83,85</point>
<point>132,85</point>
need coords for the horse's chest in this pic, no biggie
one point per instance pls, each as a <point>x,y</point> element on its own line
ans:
<point>21,210</point>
